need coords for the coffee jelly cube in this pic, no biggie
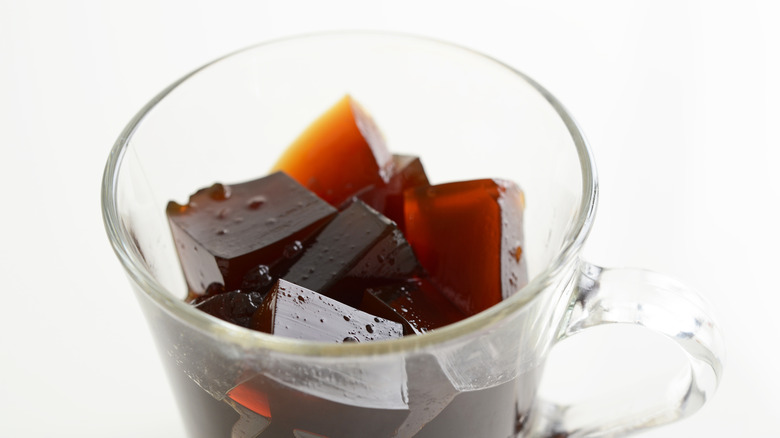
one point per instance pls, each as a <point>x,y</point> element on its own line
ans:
<point>293,311</point>
<point>338,154</point>
<point>469,238</point>
<point>358,248</point>
<point>212,290</point>
<point>415,304</point>
<point>498,416</point>
<point>430,391</point>
<point>407,172</point>
<point>297,410</point>
<point>234,306</point>
<point>227,231</point>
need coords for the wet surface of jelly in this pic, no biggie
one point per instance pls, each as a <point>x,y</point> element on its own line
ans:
<point>358,248</point>
<point>468,237</point>
<point>293,311</point>
<point>407,172</point>
<point>416,304</point>
<point>234,306</point>
<point>226,230</point>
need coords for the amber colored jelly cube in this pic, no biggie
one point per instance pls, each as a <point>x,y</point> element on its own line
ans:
<point>293,311</point>
<point>407,172</point>
<point>415,304</point>
<point>357,249</point>
<point>226,232</point>
<point>338,154</point>
<point>234,306</point>
<point>469,238</point>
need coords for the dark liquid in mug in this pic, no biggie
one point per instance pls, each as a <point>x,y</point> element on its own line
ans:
<point>496,412</point>
<point>348,243</point>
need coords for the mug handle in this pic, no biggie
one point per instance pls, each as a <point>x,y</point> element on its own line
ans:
<point>654,301</point>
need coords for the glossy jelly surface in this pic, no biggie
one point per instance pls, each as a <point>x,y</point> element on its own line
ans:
<point>225,231</point>
<point>358,248</point>
<point>416,304</point>
<point>293,311</point>
<point>468,237</point>
<point>338,154</point>
<point>235,306</point>
<point>407,172</point>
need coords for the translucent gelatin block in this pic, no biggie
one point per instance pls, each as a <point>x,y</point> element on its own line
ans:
<point>339,154</point>
<point>469,237</point>
<point>407,172</point>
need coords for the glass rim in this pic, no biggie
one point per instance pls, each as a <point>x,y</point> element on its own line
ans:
<point>133,264</point>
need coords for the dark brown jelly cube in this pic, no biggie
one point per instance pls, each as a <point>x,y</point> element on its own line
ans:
<point>293,311</point>
<point>297,414</point>
<point>491,412</point>
<point>338,154</point>
<point>407,172</point>
<point>416,304</point>
<point>213,289</point>
<point>358,248</point>
<point>234,306</point>
<point>227,230</point>
<point>429,391</point>
<point>469,238</point>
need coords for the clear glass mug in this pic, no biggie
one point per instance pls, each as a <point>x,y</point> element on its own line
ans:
<point>468,117</point>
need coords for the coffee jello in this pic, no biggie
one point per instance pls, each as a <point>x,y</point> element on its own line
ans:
<point>346,242</point>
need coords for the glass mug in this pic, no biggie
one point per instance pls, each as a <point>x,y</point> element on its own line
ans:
<point>468,117</point>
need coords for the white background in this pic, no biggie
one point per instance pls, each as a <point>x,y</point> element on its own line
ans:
<point>679,100</point>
